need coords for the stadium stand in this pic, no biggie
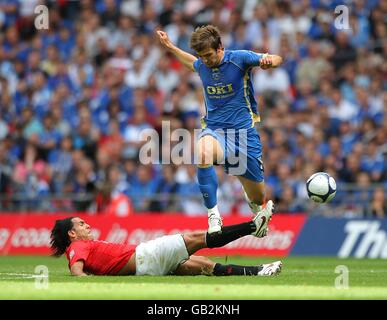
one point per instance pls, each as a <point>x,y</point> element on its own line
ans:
<point>76,98</point>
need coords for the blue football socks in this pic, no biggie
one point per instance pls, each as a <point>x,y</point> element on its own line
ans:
<point>208,184</point>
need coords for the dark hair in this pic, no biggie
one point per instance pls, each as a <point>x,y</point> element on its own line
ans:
<point>59,236</point>
<point>205,37</point>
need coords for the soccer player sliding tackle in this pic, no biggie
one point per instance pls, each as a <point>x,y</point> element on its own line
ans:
<point>171,254</point>
<point>230,105</point>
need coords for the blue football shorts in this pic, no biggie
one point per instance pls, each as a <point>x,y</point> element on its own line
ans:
<point>242,151</point>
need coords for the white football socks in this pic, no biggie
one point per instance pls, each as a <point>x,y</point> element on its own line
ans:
<point>255,208</point>
<point>214,211</point>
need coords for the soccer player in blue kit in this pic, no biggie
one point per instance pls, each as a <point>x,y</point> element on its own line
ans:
<point>228,128</point>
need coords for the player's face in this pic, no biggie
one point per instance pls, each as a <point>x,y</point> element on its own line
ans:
<point>211,57</point>
<point>81,230</point>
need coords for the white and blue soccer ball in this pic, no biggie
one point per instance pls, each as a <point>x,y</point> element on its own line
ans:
<point>321,187</point>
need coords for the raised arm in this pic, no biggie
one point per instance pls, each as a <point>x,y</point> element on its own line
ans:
<point>270,61</point>
<point>184,57</point>
<point>77,269</point>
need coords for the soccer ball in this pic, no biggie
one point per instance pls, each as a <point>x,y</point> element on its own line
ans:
<point>321,187</point>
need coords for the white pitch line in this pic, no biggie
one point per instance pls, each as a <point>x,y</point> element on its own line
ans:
<point>313,271</point>
<point>11,275</point>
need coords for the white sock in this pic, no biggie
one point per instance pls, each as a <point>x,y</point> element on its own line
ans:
<point>214,211</point>
<point>255,208</point>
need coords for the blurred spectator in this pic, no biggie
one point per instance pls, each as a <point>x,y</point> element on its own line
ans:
<point>138,75</point>
<point>165,188</point>
<point>49,138</point>
<point>344,52</point>
<point>341,109</point>
<point>83,186</point>
<point>166,78</point>
<point>5,174</point>
<point>87,135</point>
<point>272,85</point>
<point>288,202</point>
<point>31,177</point>
<point>112,199</point>
<point>61,163</point>
<point>113,142</point>
<point>228,188</point>
<point>134,131</point>
<point>378,205</point>
<point>372,162</point>
<point>350,169</point>
<point>30,163</point>
<point>188,190</point>
<point>312,67</point>
<point>3,129</point>
<point>142,188</point>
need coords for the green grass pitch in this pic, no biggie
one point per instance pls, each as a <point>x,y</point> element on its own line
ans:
<point>301,278</point>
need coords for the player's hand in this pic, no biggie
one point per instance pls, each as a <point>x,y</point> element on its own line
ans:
<point>266,61</point>
<point>164,39</point>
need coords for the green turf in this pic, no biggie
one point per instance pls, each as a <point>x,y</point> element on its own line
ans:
<point>301,278</point>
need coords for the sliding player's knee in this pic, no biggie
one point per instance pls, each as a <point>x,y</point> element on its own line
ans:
<point>194,239</point>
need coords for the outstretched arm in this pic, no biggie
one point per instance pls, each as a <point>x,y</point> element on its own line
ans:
<point>184,57</point>
<point>270,61</point>
<point>77,269</point>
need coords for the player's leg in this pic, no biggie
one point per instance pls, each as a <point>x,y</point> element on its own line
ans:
<point>268,269</point>
<point>253,184</point>
<point>254,193</point>
<point>209,152</point>
<point>195,265</point>
<point>252,179</point>
<point>164,255</point>
<point>195,241</point>
<point>199,265</point>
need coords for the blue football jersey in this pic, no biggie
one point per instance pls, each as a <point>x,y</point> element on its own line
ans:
<point>228,90</point>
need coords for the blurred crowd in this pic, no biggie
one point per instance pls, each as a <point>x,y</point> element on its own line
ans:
<point>76,98</point>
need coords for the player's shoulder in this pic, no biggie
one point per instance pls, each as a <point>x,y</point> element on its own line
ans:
<point>237,53</point>
<point>80,243</point>
<point>73,246</point>
<point>197,64</point>
<point>244,58</point>
<point>238,56</point>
